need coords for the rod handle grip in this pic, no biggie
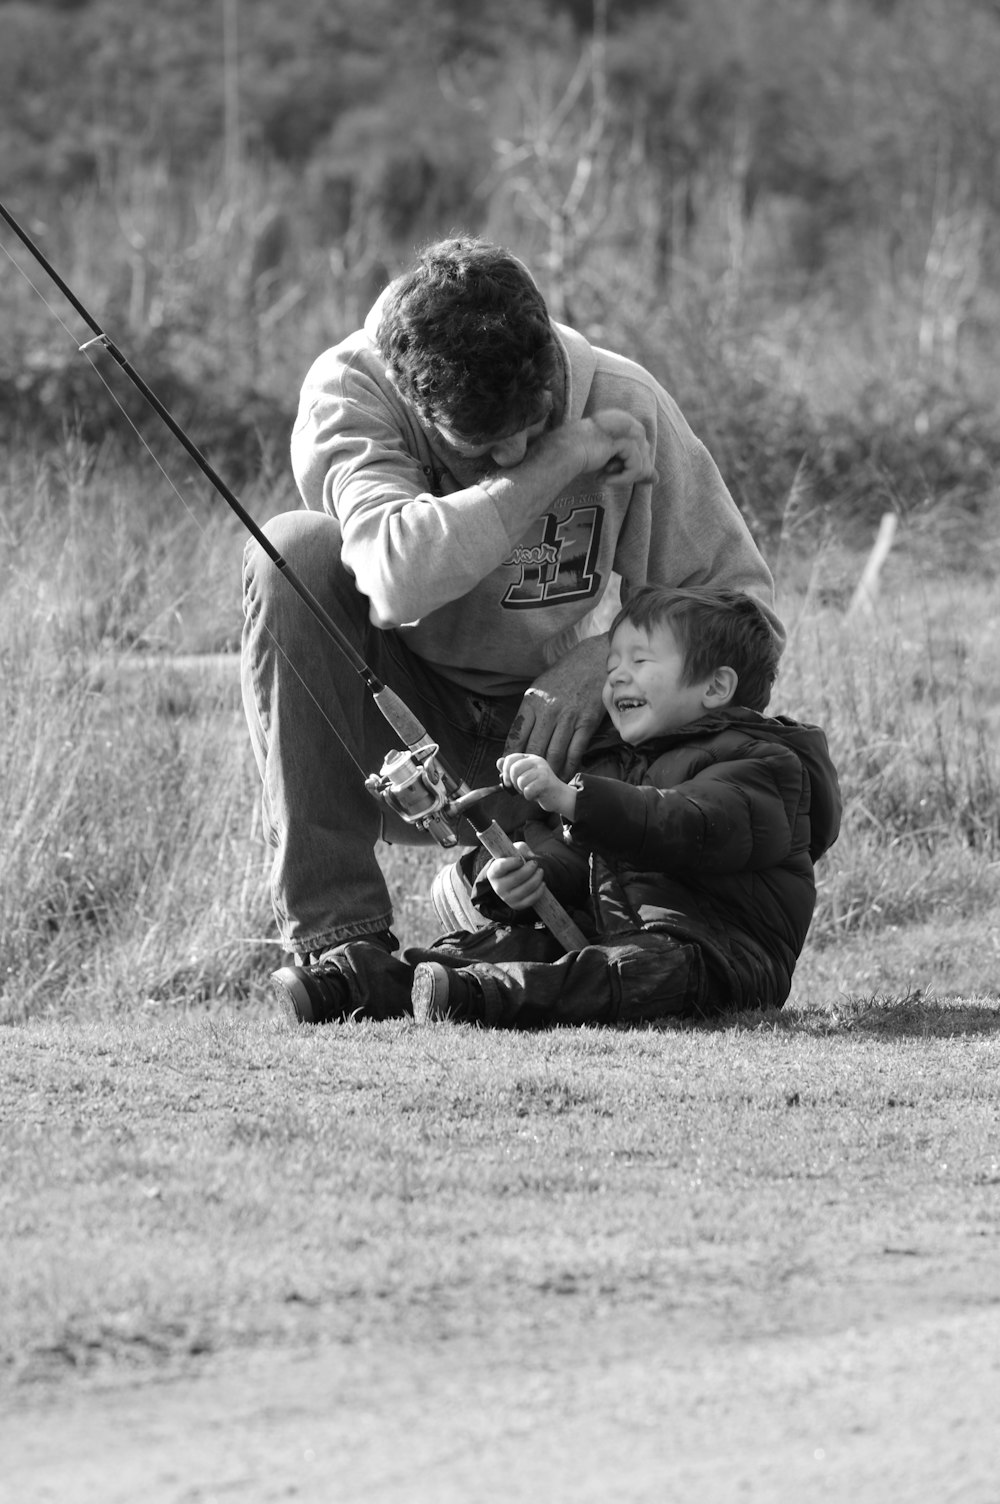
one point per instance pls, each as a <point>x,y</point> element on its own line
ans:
<point>400,717</point>
<point>549,910</point>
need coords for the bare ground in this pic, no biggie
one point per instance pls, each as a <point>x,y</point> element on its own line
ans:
<point>860,1365</point>
<point>884,1393</point>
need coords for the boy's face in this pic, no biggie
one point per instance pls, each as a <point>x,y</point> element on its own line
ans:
<point>643,692</point>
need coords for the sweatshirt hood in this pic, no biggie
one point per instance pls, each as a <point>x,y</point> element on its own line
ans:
<point>374,315</point>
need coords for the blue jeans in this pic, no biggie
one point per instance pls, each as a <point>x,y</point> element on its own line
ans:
<point>317,732</point>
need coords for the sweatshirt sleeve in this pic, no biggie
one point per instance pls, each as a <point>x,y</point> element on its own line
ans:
<point>684,528</point>
<point>353,454</point>
<point>734,816</point>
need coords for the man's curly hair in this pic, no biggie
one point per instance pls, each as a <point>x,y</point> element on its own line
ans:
<point>713,628</point>
<point>468,340</point>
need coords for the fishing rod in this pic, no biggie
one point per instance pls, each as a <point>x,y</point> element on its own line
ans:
<point>416,784</point>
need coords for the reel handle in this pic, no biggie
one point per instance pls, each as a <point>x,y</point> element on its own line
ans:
<point>496,841</point>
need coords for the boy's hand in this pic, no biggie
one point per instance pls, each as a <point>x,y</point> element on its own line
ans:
<point>532,777</point>
<point>519,883</point>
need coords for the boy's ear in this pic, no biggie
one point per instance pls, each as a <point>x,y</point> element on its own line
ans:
<point>720,688</point>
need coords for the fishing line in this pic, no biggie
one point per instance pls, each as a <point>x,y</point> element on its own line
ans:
<point>85,350</point>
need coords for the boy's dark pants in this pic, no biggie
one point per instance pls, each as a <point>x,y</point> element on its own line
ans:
<point>531,983</point>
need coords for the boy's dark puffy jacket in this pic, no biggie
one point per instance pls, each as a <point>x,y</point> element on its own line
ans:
<point>709,834</point>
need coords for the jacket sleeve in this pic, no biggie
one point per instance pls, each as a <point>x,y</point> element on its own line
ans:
<point>734,816</point>
<point>354,454</point>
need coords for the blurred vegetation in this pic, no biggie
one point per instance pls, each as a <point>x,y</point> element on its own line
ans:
<point>787,209</point>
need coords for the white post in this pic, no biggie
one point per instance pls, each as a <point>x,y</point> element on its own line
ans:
<point>864,596</point>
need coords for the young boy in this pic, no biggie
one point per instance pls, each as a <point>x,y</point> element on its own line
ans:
<point>684,849</point>
<point>687,843</point>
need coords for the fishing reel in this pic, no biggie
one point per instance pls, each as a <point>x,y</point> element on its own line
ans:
<point>414,786</point>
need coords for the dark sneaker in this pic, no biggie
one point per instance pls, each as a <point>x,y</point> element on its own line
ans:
<point>439,993</point>
<point>317,994</point>
<point>335,983</point>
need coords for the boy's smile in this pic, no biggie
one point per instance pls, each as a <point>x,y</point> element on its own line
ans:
<point>644,693</point>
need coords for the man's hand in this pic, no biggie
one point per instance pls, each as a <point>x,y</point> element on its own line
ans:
<point>562,709</point>
<point>534,779</point>
<point>615,445</point>
<point>518,882</point>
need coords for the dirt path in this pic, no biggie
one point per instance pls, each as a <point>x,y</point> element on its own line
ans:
<point>905,1411</point>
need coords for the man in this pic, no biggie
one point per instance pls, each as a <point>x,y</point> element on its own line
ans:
<point>473,476</point>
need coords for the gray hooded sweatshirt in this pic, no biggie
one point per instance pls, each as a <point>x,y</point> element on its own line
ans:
<point>486,601</point>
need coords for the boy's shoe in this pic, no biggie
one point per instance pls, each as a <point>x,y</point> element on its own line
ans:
<point>439,993</point>
<point>317,994</point>
<point>451,897</point>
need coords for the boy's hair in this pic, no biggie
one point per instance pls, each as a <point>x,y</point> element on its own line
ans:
<point>468,340</point>
<point>714,629</point>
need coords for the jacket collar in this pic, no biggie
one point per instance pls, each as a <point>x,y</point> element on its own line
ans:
<point>706,725</point>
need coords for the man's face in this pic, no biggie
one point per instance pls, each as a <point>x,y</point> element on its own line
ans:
<point>643,693</point>
<point>475,458</point>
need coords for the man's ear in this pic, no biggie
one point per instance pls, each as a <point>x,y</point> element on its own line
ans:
<point>720,688</point>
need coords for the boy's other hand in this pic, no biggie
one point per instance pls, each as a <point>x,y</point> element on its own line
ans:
<point>516,879</point>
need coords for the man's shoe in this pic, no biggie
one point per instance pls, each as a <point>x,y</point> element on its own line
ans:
<point>317,994</point>
<point>439,993</point>
<point>320,990</point>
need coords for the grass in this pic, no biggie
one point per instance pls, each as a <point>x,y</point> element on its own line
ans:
<point>186,1179</point>
<point>226,1183</point>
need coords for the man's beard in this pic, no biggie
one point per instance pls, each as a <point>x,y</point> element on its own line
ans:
<point>465,471</point>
